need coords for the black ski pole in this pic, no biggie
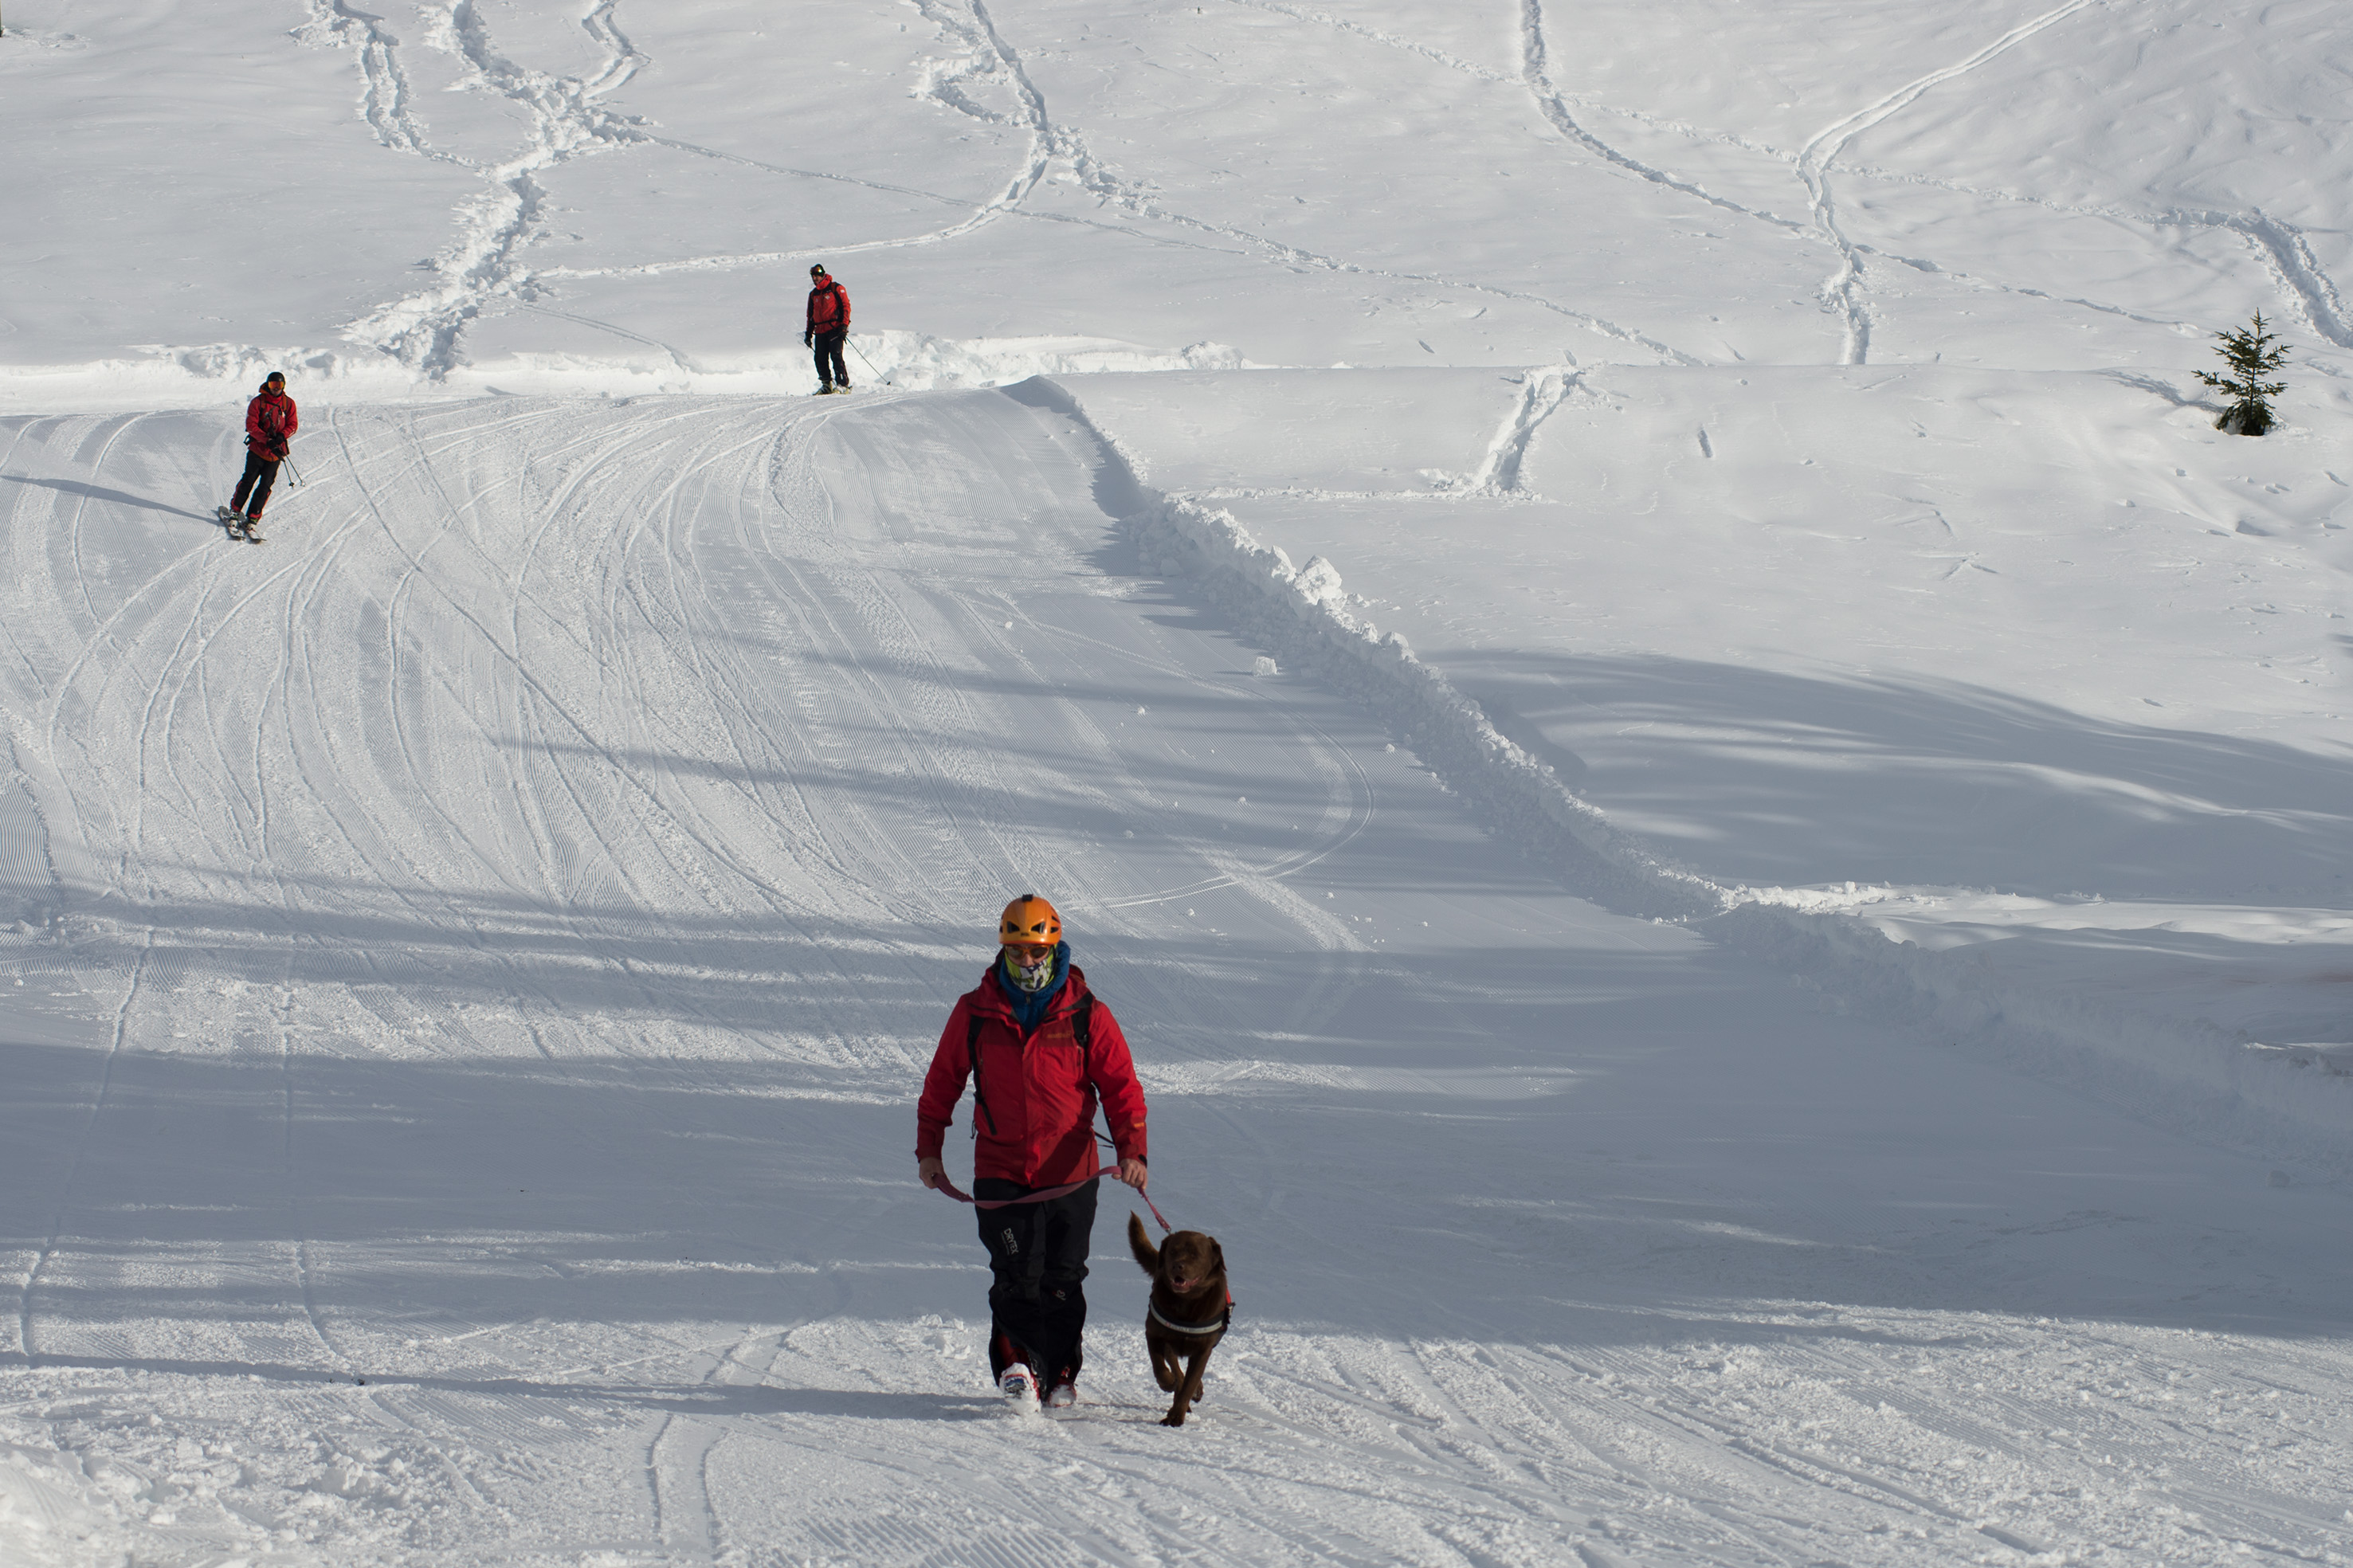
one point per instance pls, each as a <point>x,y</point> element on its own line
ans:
<point>292,470</point>
<point>870,364</point>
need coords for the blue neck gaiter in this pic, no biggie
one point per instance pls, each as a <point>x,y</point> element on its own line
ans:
<point>1029,1007</point>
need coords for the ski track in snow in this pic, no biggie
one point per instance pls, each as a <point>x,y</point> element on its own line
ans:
<point>386,102</point>
<point>423,330</point>
<point>2302,282</point>
<point>1838,294</point>
<point>1535,73</point>
<point>2287,253</point>
<point>24,1341</point>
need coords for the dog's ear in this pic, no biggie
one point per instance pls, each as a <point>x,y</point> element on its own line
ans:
<point>1219,1253</point>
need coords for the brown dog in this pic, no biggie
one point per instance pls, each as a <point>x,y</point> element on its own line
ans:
<point>1189,1309</point>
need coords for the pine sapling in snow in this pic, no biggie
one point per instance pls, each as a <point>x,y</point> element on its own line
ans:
<point>2251,356</point>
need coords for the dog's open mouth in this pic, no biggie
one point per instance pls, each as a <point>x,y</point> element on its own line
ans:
<point>1183,1287</point>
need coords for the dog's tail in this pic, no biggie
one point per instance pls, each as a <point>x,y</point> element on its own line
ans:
<point>1140,1244</point>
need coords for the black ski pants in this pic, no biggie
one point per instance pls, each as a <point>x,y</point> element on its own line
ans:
<point>1037,1257</point>
<point>831,371</point>
<point>261,473</point>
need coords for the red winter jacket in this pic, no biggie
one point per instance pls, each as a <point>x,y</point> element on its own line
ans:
<point>1035,1100</point>
<point>829,308</point>
<point>269,422</point>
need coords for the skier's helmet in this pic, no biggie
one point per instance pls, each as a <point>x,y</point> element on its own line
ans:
<point>818,270</point>
<point>1029,921</point>
<point>275,380</point>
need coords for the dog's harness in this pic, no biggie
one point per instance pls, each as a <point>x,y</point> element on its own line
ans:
<point>1192,1331</point>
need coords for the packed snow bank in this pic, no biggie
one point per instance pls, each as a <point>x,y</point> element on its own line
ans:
<point>1299,612</point>
<point>1797,523</point>
<point>195,377</point>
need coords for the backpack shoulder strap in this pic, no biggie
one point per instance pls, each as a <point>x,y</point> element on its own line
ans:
<point>1082,1024</point>
<point>972,1048</point>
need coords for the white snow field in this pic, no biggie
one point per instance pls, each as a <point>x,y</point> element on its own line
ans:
<point>1720,817</point>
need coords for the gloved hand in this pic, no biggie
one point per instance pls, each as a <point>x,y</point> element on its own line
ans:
<point>278,450</point>
<point>807,338</point>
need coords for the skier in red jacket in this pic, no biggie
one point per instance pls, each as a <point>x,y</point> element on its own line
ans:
<point>269,425</point>
<point>828,329</point>
<point>1040,1050</point>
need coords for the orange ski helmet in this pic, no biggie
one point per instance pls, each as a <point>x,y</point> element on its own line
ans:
<point>1029,921</point>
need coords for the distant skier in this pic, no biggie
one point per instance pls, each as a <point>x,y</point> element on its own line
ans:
<point>269,425</point>
<point>1039,1049</point>
<point>827,330</point>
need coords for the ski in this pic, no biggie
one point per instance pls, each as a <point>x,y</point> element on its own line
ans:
<point>237,528</point>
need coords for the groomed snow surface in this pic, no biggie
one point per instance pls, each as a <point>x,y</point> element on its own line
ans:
<point>1718,814</point>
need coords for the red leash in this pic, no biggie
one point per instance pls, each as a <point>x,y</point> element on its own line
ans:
<point>1044,1194</point>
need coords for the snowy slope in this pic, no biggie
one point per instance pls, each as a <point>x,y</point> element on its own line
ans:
<point>505,915</point>
<point>1764,984</point>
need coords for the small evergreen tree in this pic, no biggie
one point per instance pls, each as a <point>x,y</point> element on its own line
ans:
<point>2251,356</point>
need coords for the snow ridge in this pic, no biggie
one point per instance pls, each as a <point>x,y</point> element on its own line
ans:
<point>1300,614</point>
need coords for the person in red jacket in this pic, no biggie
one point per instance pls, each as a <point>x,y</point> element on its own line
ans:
<point>827,330</point>
<point>1041,1051</point>
<point>269,425</point>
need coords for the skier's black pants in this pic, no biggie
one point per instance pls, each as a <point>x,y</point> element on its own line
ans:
<point>257,467</point>
<point>1037,1255</point>
<point>831,371</point>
